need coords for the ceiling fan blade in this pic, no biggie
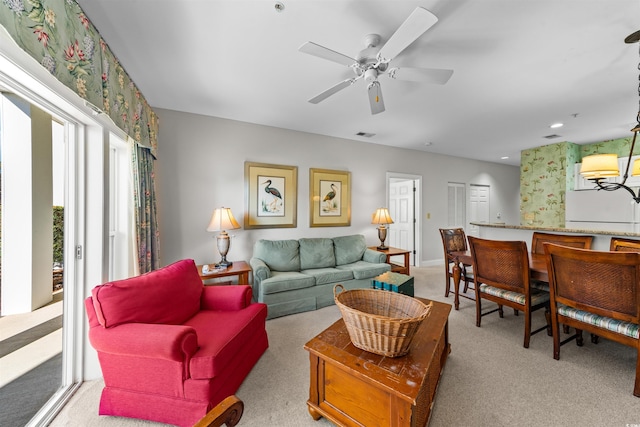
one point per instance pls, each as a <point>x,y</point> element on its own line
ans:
<point>327,93</point>
<point>427,75</point>
<point>322,52</point>
<point>413,27</point>
<point>375,97</point>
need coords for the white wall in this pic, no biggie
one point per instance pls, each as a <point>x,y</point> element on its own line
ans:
<point>201,166</point>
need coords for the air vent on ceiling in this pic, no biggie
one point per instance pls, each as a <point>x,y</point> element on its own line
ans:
<point>552,136</point>
<point>365,134</point>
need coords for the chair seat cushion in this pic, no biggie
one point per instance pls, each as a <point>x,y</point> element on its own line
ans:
<point>219,345</point>
<point>537,296</point>
<point>625,328</point>
<point>328,275</point>
<point>542,286</point>
<point>365,270</point>
<point>281,281</point>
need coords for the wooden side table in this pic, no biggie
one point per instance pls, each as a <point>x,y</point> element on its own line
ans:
<point>238,268</point>
<point>389,252</point>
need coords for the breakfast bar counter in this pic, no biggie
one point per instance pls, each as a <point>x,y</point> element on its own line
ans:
<point>501,231</point>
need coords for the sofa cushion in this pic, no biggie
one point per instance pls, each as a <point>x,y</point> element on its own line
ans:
<point>168,295</point>
<point>329,275</point>
<point>316,253</point>
<point>279,255</point>
<point>365,270</point>
<point>220,345</point>
<point>349,249</point>
<point>281,281</point>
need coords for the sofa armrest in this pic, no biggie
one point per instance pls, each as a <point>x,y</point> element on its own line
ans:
<point>226,297</point>
<point>375,257</point>
<point>261,270</point>
<point>160,341</point>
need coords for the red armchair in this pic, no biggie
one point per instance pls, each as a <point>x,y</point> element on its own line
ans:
<point>170,349</point>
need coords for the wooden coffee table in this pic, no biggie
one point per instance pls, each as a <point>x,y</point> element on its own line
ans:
<point>352,387</point>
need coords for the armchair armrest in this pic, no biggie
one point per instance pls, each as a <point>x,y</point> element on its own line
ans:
<point>226,298</point>
<point>161,341</point>
<point>374,256</point>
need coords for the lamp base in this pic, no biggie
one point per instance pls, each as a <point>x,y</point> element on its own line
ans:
<point>382,235</point>
<point>224,264</point>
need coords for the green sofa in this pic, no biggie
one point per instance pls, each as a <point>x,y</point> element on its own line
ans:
<point>292,276</point>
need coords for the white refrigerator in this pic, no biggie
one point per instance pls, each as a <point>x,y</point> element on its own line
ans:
<point>602,210</point>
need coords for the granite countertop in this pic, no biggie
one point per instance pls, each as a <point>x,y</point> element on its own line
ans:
<point>557,229</point>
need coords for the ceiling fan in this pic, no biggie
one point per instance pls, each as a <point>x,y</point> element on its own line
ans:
<point>374,60</point>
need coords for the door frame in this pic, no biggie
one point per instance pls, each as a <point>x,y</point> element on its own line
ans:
<point>417,209</point>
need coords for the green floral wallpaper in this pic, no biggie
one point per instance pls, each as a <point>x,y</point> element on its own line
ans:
<point>547,172</point>
<point>61,38</point>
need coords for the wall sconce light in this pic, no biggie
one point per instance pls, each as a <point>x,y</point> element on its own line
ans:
<point>221,220</point>
<point>382,217</point>
<point>597,167</point>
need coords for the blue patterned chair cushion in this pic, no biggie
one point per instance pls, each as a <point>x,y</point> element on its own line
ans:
<point>625,328</point>
<point>537,296</point>
<point>542,286</point>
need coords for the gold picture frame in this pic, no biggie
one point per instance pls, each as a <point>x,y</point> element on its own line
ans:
<point>329,198</point>
<point>270,195</point>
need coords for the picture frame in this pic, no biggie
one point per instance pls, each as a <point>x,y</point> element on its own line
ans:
<point>329,198</point>
<point>270,195</point>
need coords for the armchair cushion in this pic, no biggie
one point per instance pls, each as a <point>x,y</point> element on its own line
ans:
<point>169,295</point>
<point>223,344</point>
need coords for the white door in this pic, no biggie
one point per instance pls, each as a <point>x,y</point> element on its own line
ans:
<point>478,207</point>
<point>401,208</point>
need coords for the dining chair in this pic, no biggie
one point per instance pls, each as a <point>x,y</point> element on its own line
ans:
<point>598,292</point>
<point>501,271</point>
<point>620,244</point>
<point>539,239</point>
<point>455,240</point>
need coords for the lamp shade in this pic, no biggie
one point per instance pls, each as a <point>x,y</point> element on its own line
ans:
<point>381,216</point>
<point>636,168</point>
<point>600,166</point>
<point>222,219</point>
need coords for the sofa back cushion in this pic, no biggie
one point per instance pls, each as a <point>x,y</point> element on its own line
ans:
<point>316,253</point>
<point>279,255</point>
<point>169,295</point>
<point>349,249</point>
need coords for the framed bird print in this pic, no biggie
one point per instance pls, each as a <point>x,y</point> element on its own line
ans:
<point>330,198</point>
<point>270,195</point>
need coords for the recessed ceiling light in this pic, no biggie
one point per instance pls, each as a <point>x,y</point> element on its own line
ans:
<point>556,125</point>
<point>504,157</point>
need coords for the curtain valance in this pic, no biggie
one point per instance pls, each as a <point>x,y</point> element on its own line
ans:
<point>61,38</point>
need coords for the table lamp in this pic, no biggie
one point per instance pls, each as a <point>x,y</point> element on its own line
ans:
<point>222,220</point>
<point>382,218</point>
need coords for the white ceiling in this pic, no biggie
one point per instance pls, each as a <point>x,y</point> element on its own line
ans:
<point>519,66</point>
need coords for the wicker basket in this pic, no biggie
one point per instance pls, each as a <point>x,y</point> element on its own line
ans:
<point>380,322</point>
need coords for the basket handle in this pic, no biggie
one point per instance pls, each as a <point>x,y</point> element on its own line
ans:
<point>335,289</point>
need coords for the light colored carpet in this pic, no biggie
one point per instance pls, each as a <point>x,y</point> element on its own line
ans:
<point>490,379</point>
